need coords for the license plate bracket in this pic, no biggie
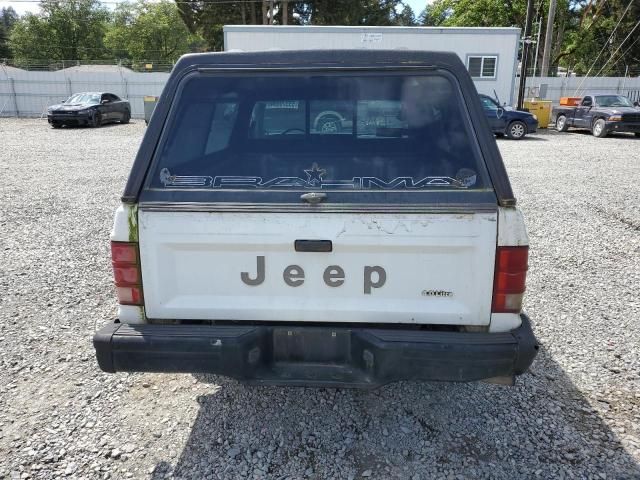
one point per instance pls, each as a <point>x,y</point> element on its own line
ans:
<point>324,345</point>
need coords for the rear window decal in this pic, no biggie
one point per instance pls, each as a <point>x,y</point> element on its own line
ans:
<point>169,180</point>
<point>315,174</point>
<point>464,179</point>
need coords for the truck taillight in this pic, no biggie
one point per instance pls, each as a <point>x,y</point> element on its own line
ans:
<point>126,273</point>
<point>509,279</point>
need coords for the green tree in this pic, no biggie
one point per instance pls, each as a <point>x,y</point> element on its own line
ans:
<point>406,17</point>
<point>354,12</point>
<point>432,16</point>
<point>208,18</point>
<point>591,31</point>
<point>582,28</point>
<point>62,30</point>
<point>8,18</point>
<point>151,32</point>
<point>478,13</point>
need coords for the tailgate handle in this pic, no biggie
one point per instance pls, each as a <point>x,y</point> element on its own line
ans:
<point>313,246</point>
<point>313,197</point>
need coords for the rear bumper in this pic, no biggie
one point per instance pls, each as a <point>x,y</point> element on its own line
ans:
<point>315,356</point>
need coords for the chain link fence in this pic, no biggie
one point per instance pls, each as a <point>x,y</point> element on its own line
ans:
<point>554,88</point>
<point>27,88</point>
<point>39,65</point>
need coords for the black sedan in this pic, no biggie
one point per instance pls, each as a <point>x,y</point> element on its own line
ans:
<point>89,108</point>
<point>515,124</point>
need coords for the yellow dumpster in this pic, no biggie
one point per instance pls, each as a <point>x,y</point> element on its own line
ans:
<point>149,106</point>
<point>541,109</point>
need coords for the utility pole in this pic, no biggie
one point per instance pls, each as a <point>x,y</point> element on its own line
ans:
<point>526,41</point>
<point>285,12</point>
<point>548,39</point>
<point>535,58</point>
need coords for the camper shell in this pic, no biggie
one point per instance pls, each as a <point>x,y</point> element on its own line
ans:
<point>257,242</point>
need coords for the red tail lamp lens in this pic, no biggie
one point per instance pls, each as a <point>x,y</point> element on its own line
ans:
<point>510,277</point>
<point>122,252</point>
<point>126,273</point>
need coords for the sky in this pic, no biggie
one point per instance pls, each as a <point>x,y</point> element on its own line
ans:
<point>22,7</point>
<point>417,5</point>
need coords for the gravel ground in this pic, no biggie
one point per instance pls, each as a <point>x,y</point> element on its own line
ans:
<point>576,414</point>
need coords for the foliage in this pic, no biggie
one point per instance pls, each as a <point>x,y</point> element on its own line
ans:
<point>63,29</point>
<point>150,32</point>
<point>406,17</point>
<point>478,13</point>
<point>590,32</point>
<point>207,18</point>
<point>581,29</point>
<point>357,12</point>
<point>8,18</point>
<point>161,32</point>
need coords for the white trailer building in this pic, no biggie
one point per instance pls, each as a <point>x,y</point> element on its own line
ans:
<point>490,54</point>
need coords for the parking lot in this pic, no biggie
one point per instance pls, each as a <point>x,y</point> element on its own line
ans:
<point>576,414</point>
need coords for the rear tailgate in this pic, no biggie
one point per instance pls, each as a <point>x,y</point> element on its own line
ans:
<point>400,268</point>
<point>383,166</point>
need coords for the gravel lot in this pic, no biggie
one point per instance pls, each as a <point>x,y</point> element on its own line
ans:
<point>575,415</point>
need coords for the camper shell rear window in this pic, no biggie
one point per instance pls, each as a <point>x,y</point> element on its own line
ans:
<point>359,136</point>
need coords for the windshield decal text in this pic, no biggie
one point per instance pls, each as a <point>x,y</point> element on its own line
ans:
<point>356,183</point>
<point>314,180</point>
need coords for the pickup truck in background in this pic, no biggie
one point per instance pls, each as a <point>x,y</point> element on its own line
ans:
<point>258,243</point>
<point>601,114</point>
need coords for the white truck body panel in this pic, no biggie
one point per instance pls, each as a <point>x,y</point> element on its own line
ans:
<point>439,267</point>
<point>122,223</point>
<point>512,231</point>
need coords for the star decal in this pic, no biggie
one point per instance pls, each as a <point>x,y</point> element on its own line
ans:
<point>315,174</point>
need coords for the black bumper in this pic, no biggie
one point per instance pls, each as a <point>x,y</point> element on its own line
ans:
<point>623,127</point>
<point>83,119</point>
<point>317,356</point>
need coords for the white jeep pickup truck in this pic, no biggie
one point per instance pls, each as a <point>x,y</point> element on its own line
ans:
<point>256,243</point>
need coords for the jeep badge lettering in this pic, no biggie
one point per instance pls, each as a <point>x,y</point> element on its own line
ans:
<point>368,278</point>
<point>334,276</point>
<point>259,276</point>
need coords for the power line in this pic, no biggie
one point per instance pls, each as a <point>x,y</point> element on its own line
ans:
<point>629,47</point>
<point>605,45</point>
<point>619,47</point>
